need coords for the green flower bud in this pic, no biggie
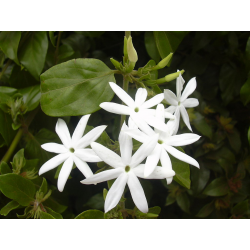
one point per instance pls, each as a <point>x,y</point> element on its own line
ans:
<point>125,50</point>
<point>173,76</point>
<point>116,64</point>
<point>163,63</point>
<point>132,55</point>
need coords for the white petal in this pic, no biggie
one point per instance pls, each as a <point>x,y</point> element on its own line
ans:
<point>107,155</point>
<point>87,154</point>
<point>64,173</point>
<point>137,134</point>
<point>166,163</point>
<point>179,85</point>
<point>144,150</point>
<point>126,145</point>
<point>185,117</point>
<point>189,89</point>
<point>63,132</point>
<point>55,148</point>
<point>160,113</point>
<point>103,176</point>
<point>153,101</point>
<point>174,125</point>
<point>83,167</point>
<point>138,120</point>
<point>53,162</point>
<point>170,109</point>
<point>123,95</point>
<point>170,97</point>
<point>159,172</point>
<point>91,136</point>
<point>79,130</point>
<point>181,156</point>
<point>191,103</point>
<point>155,122</point>
<point>115,108</point>
<point>182,139</point>
<point>137,193</point>
<point>131,124</point>
<point>152,161</point>
<point>115,193</point>
<point>140,96</point>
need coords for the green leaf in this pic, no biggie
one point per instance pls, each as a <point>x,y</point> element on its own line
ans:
<point>96,202</point>
<point>206,210</point>
<point>31,165</point>
<point>33,53</point>
<point>4,168</point>
<point>9,41</point>
<point>31,96</point>
<point>199,178</point>
<point>183,202</point>
<point>53,204</point>
<point>151,46</point>
<point>6,93</point>
<point>44,187</point>
<point>52,38</point>
<point>245,92</point>
<point>182,171</point>
<point>17,188</point>
<point>217,187</point>
<point>91,214</point>
<point>75,81</point>
<point>9,207</point>
<point>44,215</point>
<point>201,125</point>
<point>19,161</point>
<point>234,140</point>
<point>53,213</point>
<point>240,208</point>
<point>170,200</point>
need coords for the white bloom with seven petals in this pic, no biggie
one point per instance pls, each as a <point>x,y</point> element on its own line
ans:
<point>180,102</point>
<point>73,150</point>
<point>126,169</point>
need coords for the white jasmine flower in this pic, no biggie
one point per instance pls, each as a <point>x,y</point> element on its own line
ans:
<point>126,169</point>
<point>164,146</point>
<point>180,102</point>
<point>137,109</point>
<point>73,150</point>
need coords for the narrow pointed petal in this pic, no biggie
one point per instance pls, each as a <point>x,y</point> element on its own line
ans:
<point>190,103</point>
<point>142,124</point>
<point>63,132</point>
<point>170,97</point>
<point>185,117</point>
<point>115,193</point>
<point>173,125</point>
<point>53,163</point>
<point>103,176</point>
<point>181,156</point>
<point>155,122</point>
<point>153,101</point>
<point>79,130</point>
<point>115,108</point>
<point>140,96</point>
<point>152,161</point>
<point>190,87</point>
<point>137,134</point>
<point>83,167</point>
<point>131,124</point>
<point>168,115</point>
<point>182,140</point>
<point>167,164</point>
<point>158,173</point>
<point>91,136</point>
<point>123,95</point>
<point>160,113</point>
<point>126,145</point>
<point>171,109</point>
<point>108,156</point>
<point>137,193</point>
<point>55,148</point>
<point>179,86</point>
<point>64,173</point>
<point>144,150</point>
<point>87,154</point>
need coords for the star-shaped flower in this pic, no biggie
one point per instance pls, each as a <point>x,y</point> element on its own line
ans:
<point>137,109</point>
<point>126,169</point>
<point>180,102</point>
<point>164,146</point>
<point>72,151</point>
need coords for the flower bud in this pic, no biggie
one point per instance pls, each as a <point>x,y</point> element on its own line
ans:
<point>116,64</point>
<point>132,55</point>
<point>173,76</point>
<point>125,50</point>
<point>163,63</point>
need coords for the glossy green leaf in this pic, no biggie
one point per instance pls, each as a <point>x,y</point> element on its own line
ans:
<point>9,41</point>
<point>96,202</point>
<point>170,200</point>
<point>182,171</point>
<point>44,215</point>
<point>218,187</point>
<point>245,92</point>
<point>151,46</point>
<point>44,187</point>
<point>199,178</point>
<point>91,214</point>
<point>52,38</point>
<point>53,204</point>
<point>31,96</point>
<point>206,210</point>
<point>31,165</point>
<point>201,125</point>
<point>19,161</point>
<point>183,202</point>
<point>4,168</point>
<point>234,140</point>
<point>6,93</point>
<point>9,207</point>
<point>33,53</point>
<point>75,81</point>
<point>17,188</point>
<point>241,208</point>
<point>53,213</point>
